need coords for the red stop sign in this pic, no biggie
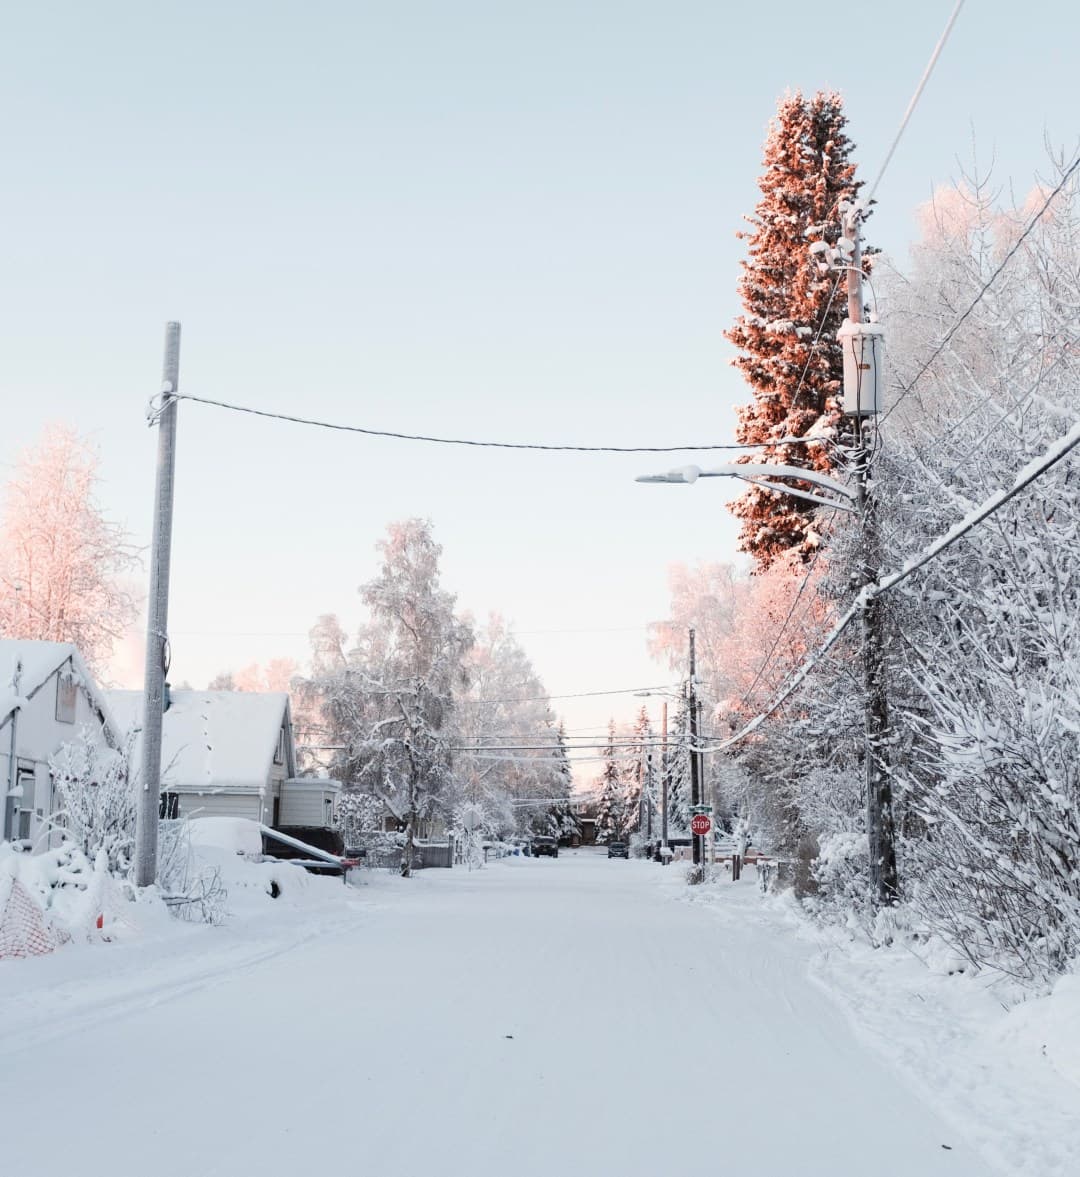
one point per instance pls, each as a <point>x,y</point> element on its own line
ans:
<point>700,824</point>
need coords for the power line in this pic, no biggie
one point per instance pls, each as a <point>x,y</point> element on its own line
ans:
<point>1032,471</point>
<point>499,445</point>
<point>597,629</point>
<point>877,180</point>
<point>915,98</point>
<point>287,633</point>
<point>629,745</point>
<point>532,763</point>
<point>783,628</point>
<point>579,695</point>
<point>983,290</point>
<point>810,356</point>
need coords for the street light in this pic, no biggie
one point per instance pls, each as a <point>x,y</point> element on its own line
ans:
<point>862,345</point>
<point>764,475</point>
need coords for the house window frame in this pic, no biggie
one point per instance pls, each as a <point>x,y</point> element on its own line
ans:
<point>67,696</point>
<point>279,750</point>
<point>26,799</point>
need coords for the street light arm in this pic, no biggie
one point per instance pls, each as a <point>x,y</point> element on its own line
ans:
<point>796,493</point>
<point>771,470</point>
<point>753,472</point>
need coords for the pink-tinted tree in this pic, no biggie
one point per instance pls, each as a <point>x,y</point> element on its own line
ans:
<point>787,296</point>
<point>62,561</point>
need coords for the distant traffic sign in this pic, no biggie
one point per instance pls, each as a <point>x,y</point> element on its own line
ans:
<point>700,825</point>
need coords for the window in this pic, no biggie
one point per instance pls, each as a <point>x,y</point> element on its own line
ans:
<point>279,751</point>
<point>169,808</point>
<point>25,792</point>
<point>66,692</point>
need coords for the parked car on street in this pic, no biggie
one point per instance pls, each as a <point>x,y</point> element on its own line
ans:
<point>545,845</point>
<point>618,850</point>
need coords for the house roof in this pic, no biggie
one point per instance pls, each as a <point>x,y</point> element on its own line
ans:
<point>39,661</point>
<point>214,740</point>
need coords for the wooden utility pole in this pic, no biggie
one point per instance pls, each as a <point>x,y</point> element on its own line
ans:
<point>148,799</point>
<point>880,830</point>
<point>664,779</point>
<point>695,766</point>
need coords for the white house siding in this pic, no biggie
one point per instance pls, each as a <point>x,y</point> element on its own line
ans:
<point>221,745</point>
<point>247,805</point>
<point>304,803</point>
<point>39,735</point>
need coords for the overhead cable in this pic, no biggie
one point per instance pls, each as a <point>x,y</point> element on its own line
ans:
<point>906,388</point>
<point>1032,471</point>
<point>915,99</point>
<point>498,445</point>
<point>580,695</point>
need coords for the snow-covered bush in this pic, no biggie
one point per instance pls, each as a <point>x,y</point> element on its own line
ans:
<point>96,802</point>
<point>193,891</point>
<point>986,673</point>
<point>64,897</point>
<point>842,873</point>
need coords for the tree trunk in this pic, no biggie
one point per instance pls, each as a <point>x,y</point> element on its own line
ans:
<point>408,850</point>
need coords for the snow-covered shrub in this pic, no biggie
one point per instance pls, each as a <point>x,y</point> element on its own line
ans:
<point>842,873</point>
<point>358,816</point>
<point>96,802</point>
<point>72,898</point>
<point>193,891</point>
<point>986,676</point>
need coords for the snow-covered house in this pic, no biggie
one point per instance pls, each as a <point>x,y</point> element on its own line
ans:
<point>231,754</point>
<point>47,698</point>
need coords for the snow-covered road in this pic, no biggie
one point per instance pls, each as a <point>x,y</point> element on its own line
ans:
<point>540,1016</point>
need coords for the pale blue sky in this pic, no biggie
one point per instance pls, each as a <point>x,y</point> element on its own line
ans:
<point>493,219</point>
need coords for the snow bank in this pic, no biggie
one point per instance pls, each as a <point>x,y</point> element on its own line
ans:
<point>1047,1028</point>
<point>232,846</point>
<point>59,897</point>
<point>235,834</point>
<point>1002,1068</point>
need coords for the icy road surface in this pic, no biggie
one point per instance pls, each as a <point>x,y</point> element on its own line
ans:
<point>565,1016</point>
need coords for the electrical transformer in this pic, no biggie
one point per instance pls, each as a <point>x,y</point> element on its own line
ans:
<point>864,356</point>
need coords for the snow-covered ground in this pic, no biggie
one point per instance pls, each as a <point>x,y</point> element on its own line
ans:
<point>574,1015</point>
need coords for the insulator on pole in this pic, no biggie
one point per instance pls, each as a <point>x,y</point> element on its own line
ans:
<point>864,358</point>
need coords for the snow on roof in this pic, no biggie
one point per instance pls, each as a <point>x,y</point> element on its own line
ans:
<point>39,661</point>
<point>213,740</point>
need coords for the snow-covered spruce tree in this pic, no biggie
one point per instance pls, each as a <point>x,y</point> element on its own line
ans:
<point>786,292</point>
<point>678,770</point>
<point>391,705</point>
<point>611,796</point>
<point>562,821</point>
<point>638,760</point>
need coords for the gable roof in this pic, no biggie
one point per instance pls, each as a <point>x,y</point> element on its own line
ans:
<point>39,662</point>
<point>215,740</point>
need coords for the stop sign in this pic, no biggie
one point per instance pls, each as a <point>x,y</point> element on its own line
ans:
<point>700,824</point>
